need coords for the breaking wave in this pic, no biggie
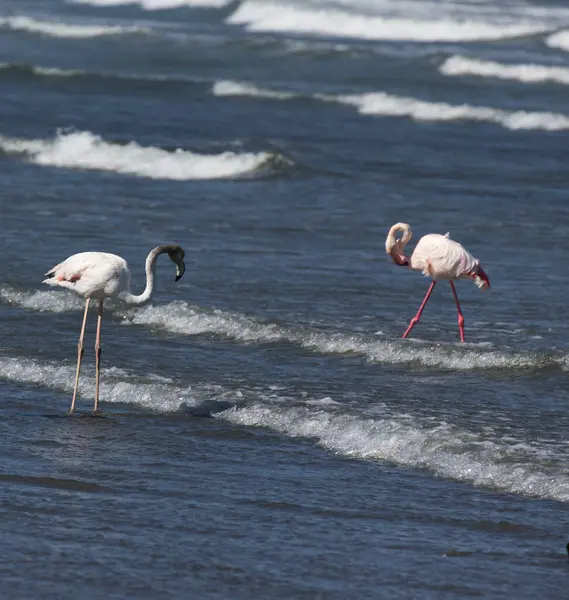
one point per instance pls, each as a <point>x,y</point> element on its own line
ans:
<point>236,88</point>
<point>530,73</point>
<point>157,4</point>
<point>185,319</point>
<point>444,449</point>
<point>281,17</point>
<point>85,150</point>
<point>66,30</point>
<point>559,40</point>
<point>384,104</point>
<point>440,447</point>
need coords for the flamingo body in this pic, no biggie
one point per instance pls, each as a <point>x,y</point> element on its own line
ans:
<point>101,275</point>
<point>438,257</point>
<point>92,275</point>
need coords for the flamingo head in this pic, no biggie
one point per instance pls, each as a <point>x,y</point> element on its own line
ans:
<point>480,278</point>
<point>395,246</point>
<point>176,255</point>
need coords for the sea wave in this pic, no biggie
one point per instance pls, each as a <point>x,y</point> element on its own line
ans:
<point>384,104</point>
<point>559,40</point>
<point>235,88</point>
<point>525,73</point>
<point>444,449</point>
<point>439,447</point>
<point>157,4</point>
<point>22,68</point>
<point>66,30</point>
<point>281,17</point>
<point>116,385</point>
<point>85,150</point>
<point>185,319</point>
<point>16,69</point>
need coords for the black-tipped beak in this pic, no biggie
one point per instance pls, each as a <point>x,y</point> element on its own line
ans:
<point>484,277</point>
<point>180,270</point>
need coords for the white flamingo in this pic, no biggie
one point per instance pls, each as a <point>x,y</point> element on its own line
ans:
<point>100,275</point>
<point>438,257</point>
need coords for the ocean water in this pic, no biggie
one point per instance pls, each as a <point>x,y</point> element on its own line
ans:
<point>266,432</point>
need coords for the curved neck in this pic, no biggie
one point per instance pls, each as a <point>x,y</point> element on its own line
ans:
<point>150,268</point>
<point>396,247</point>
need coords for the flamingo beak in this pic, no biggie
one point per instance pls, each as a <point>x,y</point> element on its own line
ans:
<point>481,279</point>
<point>180,269</point>
<point>399,258</point>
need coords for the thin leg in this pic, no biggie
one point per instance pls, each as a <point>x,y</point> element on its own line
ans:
<point>80,352</point>
<point>460,315</point>
<point>417,317</point>
<point>98,355</point>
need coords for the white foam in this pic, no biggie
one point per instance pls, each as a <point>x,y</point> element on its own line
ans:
<point>85,150</point>
<point>65,30</point>
<point>179,317</point>
<point>525,73</point>
<point>280,17</point>
<point>384,104</point>
<point>185,319</point>
<point>381,103</point>
<point>157,4</point>
<point>444,450</point>
<point>41,301</point>
<point>559,40</point>
<point>116,386</point>
<point>236,88</point>
<point>509,465</point>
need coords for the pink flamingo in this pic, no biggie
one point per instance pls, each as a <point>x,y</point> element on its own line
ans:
<point>439,257</point>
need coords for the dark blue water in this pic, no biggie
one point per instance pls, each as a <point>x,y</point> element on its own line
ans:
<point>266,433</point>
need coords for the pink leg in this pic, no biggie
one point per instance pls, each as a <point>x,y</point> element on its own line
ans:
<point>460,315</point>
<point>79,355</point>
<point>98,356</point>
<point>417,317</point>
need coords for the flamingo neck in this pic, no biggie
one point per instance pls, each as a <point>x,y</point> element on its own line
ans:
<point>150,268</point>
<point>395,247</point>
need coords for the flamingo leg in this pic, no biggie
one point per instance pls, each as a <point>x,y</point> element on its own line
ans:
<point>460,315</point>
<point>80,352</point>
<point>417,317</point>
<point>98,355</point>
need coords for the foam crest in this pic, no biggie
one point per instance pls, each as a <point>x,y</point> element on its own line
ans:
<point>236,88</point>
<point>384,104</point>
<point>525,73</point>
<point>36,70</point>
<point>280,17</point>
<point>85,150</point>
<point>185,319</point>
<point>157,4</point>
<point>116,385</point>
<point>444,449</point>
<point>181,318</point>
<point>559,40</point>
<point>381,103</point>
<point>65,30</point>
<point>41,301</point>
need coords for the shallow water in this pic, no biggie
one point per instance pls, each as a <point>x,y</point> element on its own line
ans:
<point>266,432</point>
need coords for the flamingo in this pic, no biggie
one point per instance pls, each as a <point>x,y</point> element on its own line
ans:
<point>438,257</point>
<point>100,275</point>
